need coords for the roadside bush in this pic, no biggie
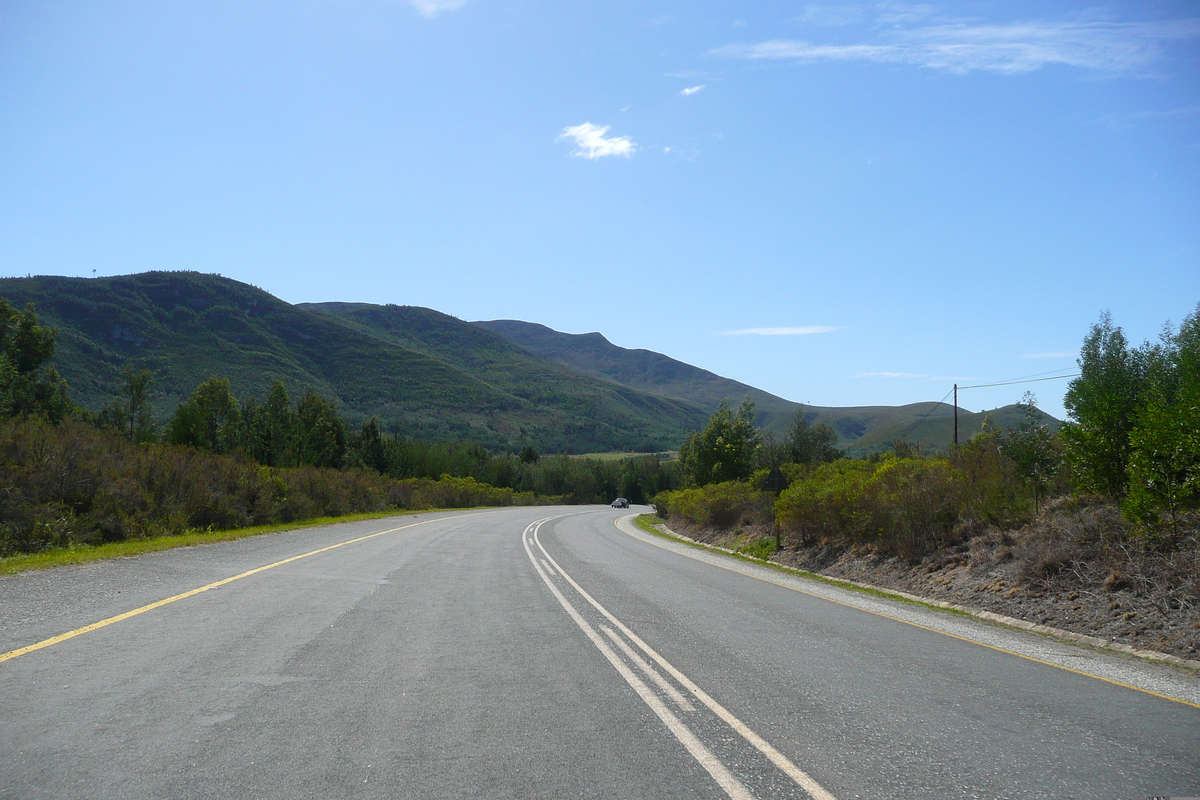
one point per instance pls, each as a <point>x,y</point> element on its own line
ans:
<point>826,504</point>
<point>717,505</point>
<point>914,504</point>
<point>71,484</point>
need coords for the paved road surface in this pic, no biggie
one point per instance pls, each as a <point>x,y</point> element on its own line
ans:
<point>548,653</point>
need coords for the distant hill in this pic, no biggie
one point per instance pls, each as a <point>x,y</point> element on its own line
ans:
<point>503,384</point>
<point>860,429</point>
<point>645,370</point>
<point>185,327</point>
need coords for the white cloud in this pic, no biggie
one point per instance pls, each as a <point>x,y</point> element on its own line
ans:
<point>804,331</point>
<point>890,375</point>
<point>691,90</point>
<point>832,16</point>
<point>1133,119</point>
<point>591,143</point>
<point>431,8</point>
<point>1005,48</point>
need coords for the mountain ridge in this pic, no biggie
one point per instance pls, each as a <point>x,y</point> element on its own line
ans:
<point>425,374</point>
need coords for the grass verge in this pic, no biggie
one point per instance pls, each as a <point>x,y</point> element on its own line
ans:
<point>83,554</point>
<point>647,522</point>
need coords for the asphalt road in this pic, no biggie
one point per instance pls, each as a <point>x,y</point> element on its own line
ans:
<point>547,653</point>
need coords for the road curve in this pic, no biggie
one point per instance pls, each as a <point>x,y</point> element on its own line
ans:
<point>545,653</point>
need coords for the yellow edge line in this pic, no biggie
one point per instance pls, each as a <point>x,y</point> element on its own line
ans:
<point>917,624</point>
<point>62,637</point>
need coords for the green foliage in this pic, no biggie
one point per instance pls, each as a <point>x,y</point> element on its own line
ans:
<point>992,487</point>
<point>28,385</point>
<point>131,414</point>
<point>270,428</point>
<point>810,444</point>
<point>73,484</point>
<point>1164,466</point>
<point>827,504</point>
<point>1031,447</point>
<point>1136,413</point>
<point>914,504</point>
<point>724,450</point>
<point>320,432</point>
<point>210,419</point>
<point>1103,403</point>
<point>905,506</point>
<point>716,505</point>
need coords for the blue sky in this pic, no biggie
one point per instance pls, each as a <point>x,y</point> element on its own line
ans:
<point>843,204</point>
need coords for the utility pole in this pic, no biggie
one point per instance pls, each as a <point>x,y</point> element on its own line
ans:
<point>956,415</point>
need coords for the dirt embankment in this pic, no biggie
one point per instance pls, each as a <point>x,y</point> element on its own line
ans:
<point>1078,567</point>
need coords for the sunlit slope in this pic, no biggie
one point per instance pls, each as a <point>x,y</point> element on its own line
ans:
<point>185,327</point>
<point>645,370</point>
<point>860,429</point>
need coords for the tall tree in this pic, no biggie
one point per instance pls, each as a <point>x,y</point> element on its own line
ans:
<point>1164,463</point>
<point>1030,446</point>
<point>725,449</point>
<point>270,428</point>
<point>810,444</point>
<point>209,419</point>
<point>28,384</point>
<point>1102,403</point>
<point>321,433</point>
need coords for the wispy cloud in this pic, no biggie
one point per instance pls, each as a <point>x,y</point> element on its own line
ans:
<point>591,143</point>
<point>890,375</point>
<point>431,8</point>
<point>1134,118</point>
<point>827,16</point>
<point>1012,48</point>
<point>802,331</point>
<point>691,90</point>
<point>1064,354</point>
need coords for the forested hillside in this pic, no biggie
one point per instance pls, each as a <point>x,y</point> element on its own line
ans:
<point>861,430</point>
<point>186,327</point>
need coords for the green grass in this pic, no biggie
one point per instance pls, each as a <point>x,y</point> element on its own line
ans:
<point>647,522</point>
<point>134,547</point>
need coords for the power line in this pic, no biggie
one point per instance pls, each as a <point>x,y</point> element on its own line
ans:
<point>1031,380</point>
<point>922,419</point>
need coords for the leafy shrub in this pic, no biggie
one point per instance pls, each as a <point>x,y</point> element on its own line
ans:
<point>718,505</point>
<point>827,504</point>
<point>914,504</point>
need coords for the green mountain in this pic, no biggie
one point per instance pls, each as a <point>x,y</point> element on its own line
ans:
<point>860,429</point>
<point>425,374</point>
<point>644,370</point>
<point>184,327</point>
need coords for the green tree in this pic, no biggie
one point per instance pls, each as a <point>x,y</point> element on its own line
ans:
<point>810,444</point>
<point>1031,448</point>
<point>367,448</point>
<point>209,419</point>
<point>270,428</point>
<point>321,433</point>
<point>1164,463</point>
<point>1102,403</point>
<point>724,450</point>
<point>130,415</point>
<point>28,384</point>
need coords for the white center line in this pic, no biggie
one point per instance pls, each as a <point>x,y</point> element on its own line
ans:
<point>650,671</point>
<point>724,778</point>
<point>799,776</point>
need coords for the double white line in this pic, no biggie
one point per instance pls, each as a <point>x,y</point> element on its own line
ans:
<point>720,773</point>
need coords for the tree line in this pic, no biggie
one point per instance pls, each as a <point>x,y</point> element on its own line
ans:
<point>74,476</point>
<point>1132,438</point>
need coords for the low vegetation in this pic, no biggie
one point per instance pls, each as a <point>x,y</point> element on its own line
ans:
<point>1102,516</point>
<point>71,478</point>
